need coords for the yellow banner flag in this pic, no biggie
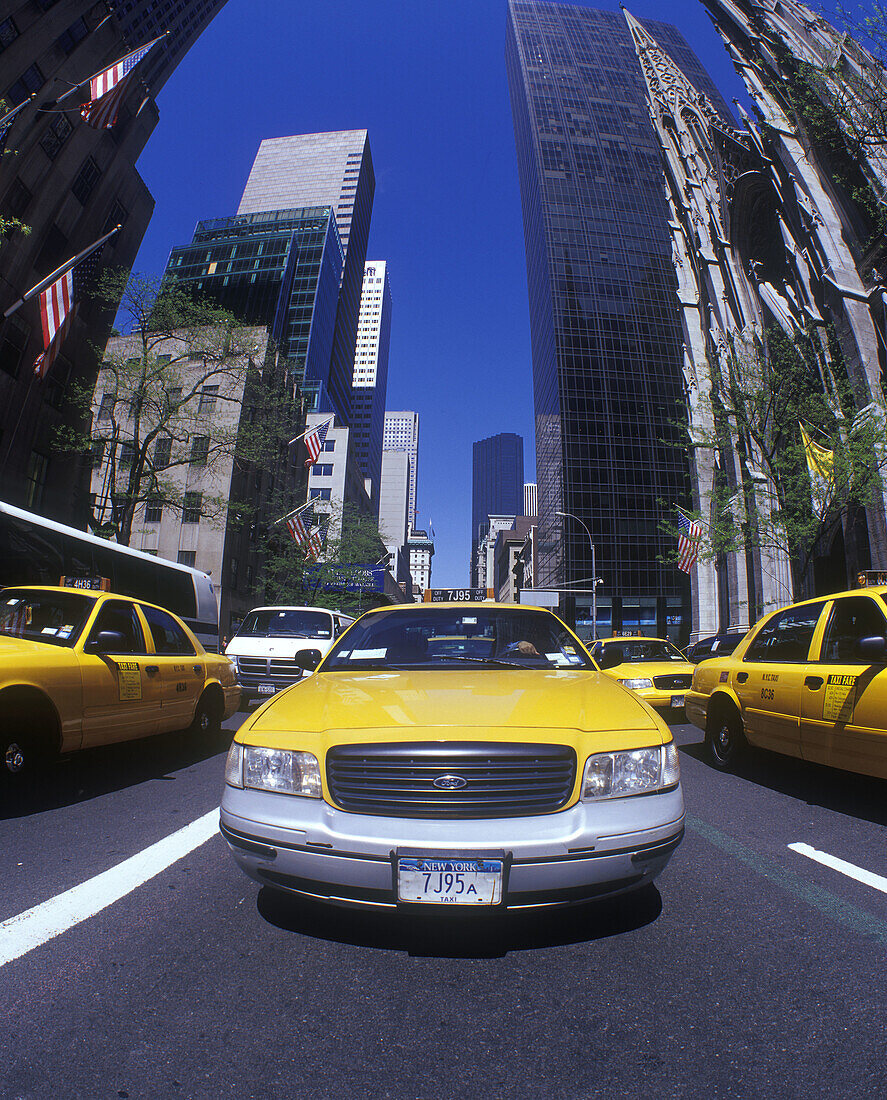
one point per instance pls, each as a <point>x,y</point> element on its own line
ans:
<point>821,466</point>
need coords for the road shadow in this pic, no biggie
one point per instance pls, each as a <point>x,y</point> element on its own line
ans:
<point>857,796</point>
<point>95,772</point>
<point>460,935</point>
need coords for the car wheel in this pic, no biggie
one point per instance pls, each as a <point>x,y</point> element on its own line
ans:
<point>207,718</point>
<point>20,757</point>
<point>725,739</point>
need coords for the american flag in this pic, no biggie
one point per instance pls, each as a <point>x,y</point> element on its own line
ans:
<point>58,304</point>
<point>298,526</point>
<point>314,441</point>
<point>107,90</point>
<point>317,541</point>
<point>689,534</point>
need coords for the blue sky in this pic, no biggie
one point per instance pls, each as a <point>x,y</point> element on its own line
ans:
<point>427,80</point>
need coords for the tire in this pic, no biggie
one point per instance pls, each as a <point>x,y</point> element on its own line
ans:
<point>207,722</point>
<point>22,757</point>
<point>725,739</point>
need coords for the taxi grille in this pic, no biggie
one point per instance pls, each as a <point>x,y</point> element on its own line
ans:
<point>669,683</point>
<point>500,780</point>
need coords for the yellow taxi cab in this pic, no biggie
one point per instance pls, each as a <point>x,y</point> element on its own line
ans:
<point>453,754</point>
<point>652,667</point>
<point>810,680</point>
<point>81,668</point>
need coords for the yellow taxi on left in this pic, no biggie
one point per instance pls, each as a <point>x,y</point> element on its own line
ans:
<point>79,669</point>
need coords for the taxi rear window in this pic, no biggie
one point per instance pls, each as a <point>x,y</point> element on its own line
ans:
<point>787,636</point>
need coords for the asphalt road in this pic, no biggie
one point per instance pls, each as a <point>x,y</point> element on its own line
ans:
<point>750,970</point>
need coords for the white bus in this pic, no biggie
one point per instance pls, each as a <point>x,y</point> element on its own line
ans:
<point>35,550</point>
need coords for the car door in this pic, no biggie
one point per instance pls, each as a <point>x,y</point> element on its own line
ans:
<point>181,671</point>
<point>844,698</point>
<point>121,700</point>
<point>768,684</point>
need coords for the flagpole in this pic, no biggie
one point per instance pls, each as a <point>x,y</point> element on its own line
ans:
<point>105,68</point>
<point>15,110</point>
<point>63,270</point>
<point>313,428</point>
<point>301,508</point>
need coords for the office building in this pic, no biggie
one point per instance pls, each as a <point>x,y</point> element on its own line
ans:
<point>497,478</point>
<point>279,268</point>
<point>369,383</point>
<point>70,183</point>
<point>335,170</point>
<point>421,551</point>
<point>530,505</point>
<point>606,340</point>
<point>401,433</point>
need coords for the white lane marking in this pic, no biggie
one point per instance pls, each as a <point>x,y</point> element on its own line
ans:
<point>21,934</point>
<point>868,878</point>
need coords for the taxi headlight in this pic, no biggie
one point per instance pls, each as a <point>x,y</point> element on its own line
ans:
<point>637,771</point>
<point>273,770</point>
<point>636,683</point>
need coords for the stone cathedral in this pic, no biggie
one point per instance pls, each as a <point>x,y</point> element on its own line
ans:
<point>768,235</point>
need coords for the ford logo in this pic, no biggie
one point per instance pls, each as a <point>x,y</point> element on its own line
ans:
<point>449,782</point>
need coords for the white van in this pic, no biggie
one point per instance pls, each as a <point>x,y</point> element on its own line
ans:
<point>266,646</point>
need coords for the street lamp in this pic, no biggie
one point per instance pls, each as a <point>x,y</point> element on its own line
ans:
<point>570,515</point>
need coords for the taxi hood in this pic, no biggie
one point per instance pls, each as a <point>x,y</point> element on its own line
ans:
<point>410,705</point>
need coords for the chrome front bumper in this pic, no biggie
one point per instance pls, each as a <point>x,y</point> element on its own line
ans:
<point>312,849</point>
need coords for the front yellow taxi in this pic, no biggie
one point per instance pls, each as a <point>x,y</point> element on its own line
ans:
<point>652,667</point>
<point>509,773</point>
<point>83,668</point>
<point>810,681</point>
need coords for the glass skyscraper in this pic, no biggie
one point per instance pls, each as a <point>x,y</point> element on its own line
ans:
<point>278,268</point>
<point>497,484</point>
<point>604,321</point>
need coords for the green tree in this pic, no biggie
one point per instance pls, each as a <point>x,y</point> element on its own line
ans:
<point>7,224</point>
<point>769,500</point>
<point>185,387</point>
<point>290,576</point>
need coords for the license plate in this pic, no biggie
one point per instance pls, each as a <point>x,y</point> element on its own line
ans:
<point>266,689</point>
<point>677,700</point>
<point>450,881</point>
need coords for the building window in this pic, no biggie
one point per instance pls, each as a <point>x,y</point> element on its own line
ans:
<point>329,445</point>
<point>192,508</point>
<point>117,216</point>
<point>86,180</point>
<point>106,408</point>
<point>322,469</point>
<point>13,340</point>
<point>17,198</point>
<point>208,397</point>
<point>57,133</point>
<point>68,40</point>
<point>187,557</point>
<point>199,450</point>
<point>8,33</point>
<point>38,466</point>
<point>127,455</point>
<point>31,80</point>
<point>153,509</point>
<point>320,494</point>
<point>162,452</point>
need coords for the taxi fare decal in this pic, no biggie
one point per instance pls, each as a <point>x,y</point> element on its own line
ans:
<point>128,679</point>
<point>839,698</point>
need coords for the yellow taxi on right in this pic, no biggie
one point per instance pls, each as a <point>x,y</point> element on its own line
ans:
<point>810,680</point>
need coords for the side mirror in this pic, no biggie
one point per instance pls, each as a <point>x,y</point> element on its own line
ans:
<point>107,641</point>
<point>308,659</point>
<point>613,656</point>
<point>873,650</point>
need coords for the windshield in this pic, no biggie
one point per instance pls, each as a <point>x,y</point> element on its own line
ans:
<point>286,622</point>
<point>646,649</point>
<point>457,637</point>
<point>56,618</point>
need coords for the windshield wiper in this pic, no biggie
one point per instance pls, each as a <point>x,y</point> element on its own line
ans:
<point>477,660</point>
